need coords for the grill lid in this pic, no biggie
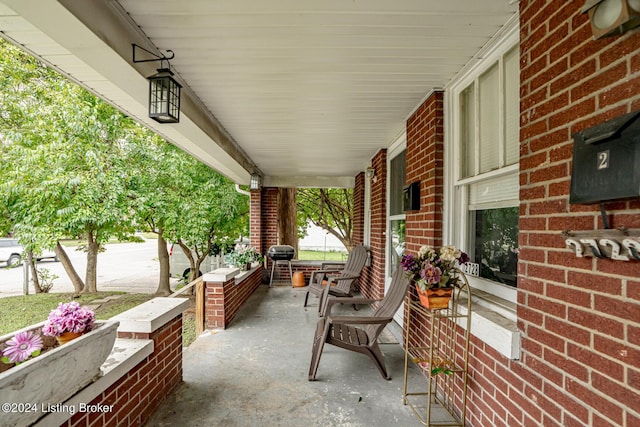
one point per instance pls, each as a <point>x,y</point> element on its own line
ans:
<point>281,252</point>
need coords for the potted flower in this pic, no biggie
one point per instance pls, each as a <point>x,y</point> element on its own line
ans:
<point>434,273</point>
<point>69,321</point>
<point>21,347</point>
<point>243,256</point>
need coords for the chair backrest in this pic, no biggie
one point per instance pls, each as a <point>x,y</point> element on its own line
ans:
<point>352,268</point>
<point>357,259</point>
<point>391,301</point>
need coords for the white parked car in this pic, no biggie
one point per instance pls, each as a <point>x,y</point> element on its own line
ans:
<point>11,253</point>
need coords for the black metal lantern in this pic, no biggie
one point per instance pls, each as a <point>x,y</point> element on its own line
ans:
<point>164,97</point>
<point>164,90</point>
<point>612,17</point>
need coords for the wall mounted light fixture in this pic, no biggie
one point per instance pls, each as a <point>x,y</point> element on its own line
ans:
<point>612,17</point>
<point>255,182</point>
<point>164,90</point>
<point>370,172</point>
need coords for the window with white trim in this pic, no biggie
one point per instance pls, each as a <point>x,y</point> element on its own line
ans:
<point>396,226</point>
<point>485,180</point>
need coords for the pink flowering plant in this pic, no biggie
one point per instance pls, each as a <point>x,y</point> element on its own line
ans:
<point>69,317</point>
<point>21,347</point>
<point>432,268</point>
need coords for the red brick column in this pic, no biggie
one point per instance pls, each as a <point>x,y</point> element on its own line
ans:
<point>269,220</point>
<point>255,220</point>
<point>358,209</point>
<point>425,161</point>
<point>372,284</point>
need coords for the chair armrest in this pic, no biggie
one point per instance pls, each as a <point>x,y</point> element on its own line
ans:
<point>359,320</point>
<point>331,300</point>
<point>332,265</point>
<point>336,278</point>
<point>334,271</point>
<point>352,300</point>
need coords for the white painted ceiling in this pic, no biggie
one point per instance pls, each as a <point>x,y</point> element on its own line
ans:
<point>305,92</point>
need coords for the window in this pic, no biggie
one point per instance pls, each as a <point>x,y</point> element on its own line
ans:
<point>484,178</point>
<point>397,178</point>
<point>481,189</point>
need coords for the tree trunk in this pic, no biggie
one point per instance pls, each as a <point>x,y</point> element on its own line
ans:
<point>164,287</point>
<point>287,218</point>
<point>90,280</point>
<point>78,284</point>
<point>34,272</point>
<point>189,255</point>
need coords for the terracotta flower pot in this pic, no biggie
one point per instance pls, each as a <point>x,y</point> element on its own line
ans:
<point>67,336</point>
<point>435,299</point>
<point>298,280</point>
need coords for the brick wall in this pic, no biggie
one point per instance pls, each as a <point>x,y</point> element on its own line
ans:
<point>269,213</point>
<point>138,393</point>
<point>425,160</point>
<point>372,284</point>
<point>224,300</point>
<point>580,317</point>
<point>255,221</point>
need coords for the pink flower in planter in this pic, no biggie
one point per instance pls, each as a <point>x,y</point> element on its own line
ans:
<point>22,346</point>
<point>431,274</point>
<point>69,317</point>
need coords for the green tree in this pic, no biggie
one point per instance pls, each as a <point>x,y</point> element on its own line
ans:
<point>185,202</point>
<point>73,166</point>
<point>207,212</point>
<point>330,209</point>
<point>64,162</point>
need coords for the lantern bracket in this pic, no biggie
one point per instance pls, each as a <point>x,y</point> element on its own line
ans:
<point>155,58</point>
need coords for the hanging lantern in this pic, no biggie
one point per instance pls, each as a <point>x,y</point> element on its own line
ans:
<point>164,90</point>
<point>164,97</point>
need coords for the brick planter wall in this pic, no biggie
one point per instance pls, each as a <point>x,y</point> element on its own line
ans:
<point>223,299</point>
<point>139,393</point>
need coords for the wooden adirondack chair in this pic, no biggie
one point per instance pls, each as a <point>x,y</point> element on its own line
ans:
<point>360,333</point>
<point>337,282</point>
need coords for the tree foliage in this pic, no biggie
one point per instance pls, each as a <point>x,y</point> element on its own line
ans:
<point>73,166</point>
<point>330,209</point>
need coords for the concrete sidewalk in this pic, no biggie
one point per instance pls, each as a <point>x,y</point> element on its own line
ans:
<point>255,374</point>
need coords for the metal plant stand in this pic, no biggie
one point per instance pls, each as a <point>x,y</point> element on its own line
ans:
<point>445,371</point>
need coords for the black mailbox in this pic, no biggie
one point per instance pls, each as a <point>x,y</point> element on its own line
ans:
<point>606,161</point>
<point>411,200</point>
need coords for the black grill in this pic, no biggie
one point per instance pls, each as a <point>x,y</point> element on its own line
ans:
<point>281,253</point>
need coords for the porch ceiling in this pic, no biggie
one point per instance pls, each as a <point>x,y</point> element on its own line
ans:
<point>305,92</point>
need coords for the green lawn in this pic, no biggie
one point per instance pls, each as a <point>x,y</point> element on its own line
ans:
<point>20,311</point>
<point>322,256</point>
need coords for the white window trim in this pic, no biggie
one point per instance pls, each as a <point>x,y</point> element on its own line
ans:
<point>396,148</point>
<point>494,319</point>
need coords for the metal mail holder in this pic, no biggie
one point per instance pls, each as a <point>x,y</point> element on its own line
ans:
<point>606,161</point>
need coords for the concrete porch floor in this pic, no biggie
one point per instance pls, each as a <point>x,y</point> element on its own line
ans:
<point>255,374</point>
